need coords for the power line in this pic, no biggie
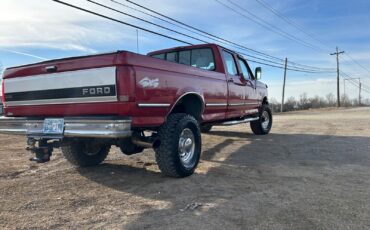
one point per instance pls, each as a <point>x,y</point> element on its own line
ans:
<point>166,28</point>
<point>122,22</point>
<point>189,30</point>
<point>175,31</point>
<point>354,82</point>
<point>343,74</point>
<point>290,22</point>
<point>173,38</point>
<point>167,21</point>
<point>282,67</point>
<point>202,31</point>
<point>313,70</point>
<point>297,26</point>
<point>357,63</point>
<point>293,69</point>
<point>300,28</point>
<point>208,34</point>
<point>146,21</point>
<point>312,67</point>
<point>266,25</point>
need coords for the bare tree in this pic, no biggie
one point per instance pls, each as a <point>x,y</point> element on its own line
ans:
<point>304,102</point>
<point>330,99</point>
<point>291,104</point>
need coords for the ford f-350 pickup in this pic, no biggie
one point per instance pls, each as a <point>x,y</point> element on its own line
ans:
<point>163,100</point>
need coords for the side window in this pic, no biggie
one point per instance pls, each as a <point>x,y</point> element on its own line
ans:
<point>244,68</point>
<point>203,59</point>
<point>172,57</point>
<point>184,57</point>
<point>159,56</point>
<point>230,63</point>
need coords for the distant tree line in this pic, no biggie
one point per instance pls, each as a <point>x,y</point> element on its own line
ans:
<point>304,102</point>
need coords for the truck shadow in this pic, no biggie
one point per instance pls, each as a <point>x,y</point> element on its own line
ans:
<point>235,174</point>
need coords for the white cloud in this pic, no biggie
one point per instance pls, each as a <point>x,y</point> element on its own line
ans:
<point>51,26</point>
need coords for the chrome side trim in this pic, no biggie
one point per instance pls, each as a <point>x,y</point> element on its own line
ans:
<point>236,104</point>
<point>216,104</point>
<point>228,123</point>
<point>243,103</point>
<point>155,105</point>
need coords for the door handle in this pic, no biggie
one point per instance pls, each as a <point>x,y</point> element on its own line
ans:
<point>230,79</point>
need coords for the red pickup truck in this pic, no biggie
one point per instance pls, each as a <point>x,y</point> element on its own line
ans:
<point>163,100</point>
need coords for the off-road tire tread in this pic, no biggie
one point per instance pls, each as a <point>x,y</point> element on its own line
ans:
<point>165,154</point>
<point>73,153</point>
<point>256,126</point>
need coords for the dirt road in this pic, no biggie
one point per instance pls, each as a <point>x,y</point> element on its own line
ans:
<point>311,172</point>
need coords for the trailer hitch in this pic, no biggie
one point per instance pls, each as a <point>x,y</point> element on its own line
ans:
<point>41,148</point>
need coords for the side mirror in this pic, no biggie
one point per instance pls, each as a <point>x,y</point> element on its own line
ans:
<point>258,73</point>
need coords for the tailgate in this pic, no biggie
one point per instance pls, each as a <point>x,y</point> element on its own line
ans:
<point>59,84</point>
<point>78,86</point>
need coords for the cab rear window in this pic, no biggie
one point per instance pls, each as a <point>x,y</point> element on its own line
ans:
<point>203,59</point>
<point>159,56</point>
<point>199,58</point>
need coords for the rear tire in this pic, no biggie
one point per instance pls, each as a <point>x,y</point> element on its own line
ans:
<point>206,128</point>
<point>264,124</point>
<point>85,153</point>
<point>181,145</point>
<point>129,148</point>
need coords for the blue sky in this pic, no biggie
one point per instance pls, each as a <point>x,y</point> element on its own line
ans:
<point>45,29</point>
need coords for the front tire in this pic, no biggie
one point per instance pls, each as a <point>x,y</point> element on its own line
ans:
<point>85,153</point>
<point>263,125</point>
<point>181,145</point>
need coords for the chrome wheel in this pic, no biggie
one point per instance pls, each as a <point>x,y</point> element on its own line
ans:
<point>265,120</point>
<point>187,148</point>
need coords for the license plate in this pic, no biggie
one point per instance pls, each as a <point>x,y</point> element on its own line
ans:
<point>53,126</point>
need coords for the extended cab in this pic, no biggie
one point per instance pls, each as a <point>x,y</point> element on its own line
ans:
<point>162,100</point>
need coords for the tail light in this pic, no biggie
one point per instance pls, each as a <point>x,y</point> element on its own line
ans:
<point>126,84</point>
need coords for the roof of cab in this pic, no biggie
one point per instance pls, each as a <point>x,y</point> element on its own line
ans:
<point>183,48</point>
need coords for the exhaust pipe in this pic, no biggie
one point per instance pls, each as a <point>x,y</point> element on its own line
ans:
<point>146,142</point>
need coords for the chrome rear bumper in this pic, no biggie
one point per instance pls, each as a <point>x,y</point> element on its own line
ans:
<point>86,127</point>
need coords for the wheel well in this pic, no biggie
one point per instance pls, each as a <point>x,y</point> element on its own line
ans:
<point>190,104</point>
<point>265,101</point>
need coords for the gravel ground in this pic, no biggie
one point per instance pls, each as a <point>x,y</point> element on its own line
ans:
<point>311,172</point>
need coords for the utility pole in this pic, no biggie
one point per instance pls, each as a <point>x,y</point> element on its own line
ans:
<point>359,85</point>
<point>285,72</point>
<point>359,94</point>
<point>338,89</point>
